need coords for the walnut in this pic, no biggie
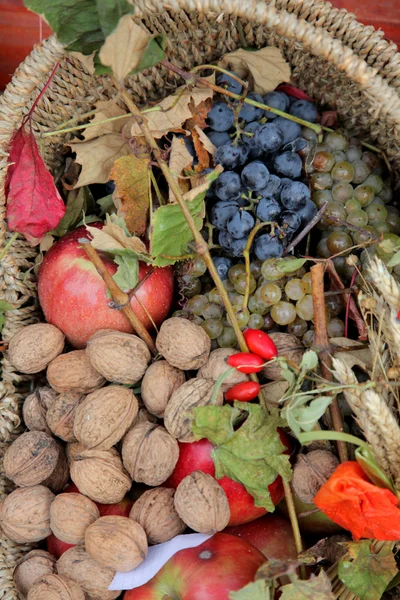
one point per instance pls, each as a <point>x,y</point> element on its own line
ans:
<point>290,347</point>
<point>25,514</point>
<point>31,567</point>
<point>31,458</point>
<point>144,415</point>
<point>70,516</point>
<point>183,344</point>
<point>116,542</point>
<point>34,347</point>
<point>99,474</point>
<point>35,408</point>
<point>55,587</point>
<point>179,413</point>
<point>60,476</point>
<point>119,357</point>
<point>310,472</point>
<point>217,365</point>
<point>155,512</point>
<point>105,416</point>
<point>60,416</point>
<point>72,449</point>
<point>149,453</point>
<point>202,503</point>
<point>161,380</point>
<point>94,579</point>
<point>72,372</point>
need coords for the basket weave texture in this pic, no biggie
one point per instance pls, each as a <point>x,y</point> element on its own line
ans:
<point>335,59</point>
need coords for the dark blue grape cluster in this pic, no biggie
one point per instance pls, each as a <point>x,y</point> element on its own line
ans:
<point>262,172</point>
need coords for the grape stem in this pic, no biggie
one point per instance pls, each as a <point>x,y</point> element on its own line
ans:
<point>246,255</point>
<point>306,229</point>
<point>324,349</point>
<point>293,521</point>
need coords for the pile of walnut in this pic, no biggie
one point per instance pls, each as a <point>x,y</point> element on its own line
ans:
<point>88,426</point>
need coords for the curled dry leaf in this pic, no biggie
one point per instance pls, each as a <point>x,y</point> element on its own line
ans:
<point>180,159</point>
<point>362,358</point>
<point>264,69</point>
<point>106,110</point>
<point>97,157</point>
<point>113,237</point>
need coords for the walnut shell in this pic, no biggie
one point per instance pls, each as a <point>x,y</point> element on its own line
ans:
<point>310,473</point>
<point>160,381</point>
<point>31,458</point>
<point>72,449</point>
<point>25,514</point>
<point>34,347</point>
<point>72,372</point>
<point>144,415</point>
<point>119,357</point>
<point>105,416</point>
<point>217,365</point>
<point>70,516</point>
<point>155,511</point>
<point>179,413</point>
<point>116,542</point>
<point>99,474</point>
<point>31,567</point>
<point>202,503</point>
<point>55,587</point>
<point>60,416</point>
<point>183,344</point>
<point>149,453</point>
<point>94,579</point>
<point>290,347</point>
<point>60,476</point>
<point>35,408</point>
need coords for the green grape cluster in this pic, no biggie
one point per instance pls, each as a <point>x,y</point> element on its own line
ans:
<point>277,302</point>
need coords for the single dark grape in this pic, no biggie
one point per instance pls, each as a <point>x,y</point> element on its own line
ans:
<point>228,83</point>
<point>296,145</point>
<point>290,129</point>
<point>255,269</point>
<point>294,195</point>
<point>222,264</point>
<point>238,245</point>
<point>290,222</point>
<point>303,109</point>
<point>255,175</point>
<point>307,212</point>
<point>248,112</point>
<point>370,159</point>
<point>334,304</point>
<point>267,246</point>
<point>218,138</point>
<point>269,137</point>
<point>225,240</point>
<point>220,117</point>
<point>230,155</point>
<point>268,209</point>
<point>277,100</point>
<point>298,327</point>
<point>189,286</point>
<point>288,164</point>
<point>240,224</point>
<point>228,186</point>
<point>273,187</point>
<point>221,212</point>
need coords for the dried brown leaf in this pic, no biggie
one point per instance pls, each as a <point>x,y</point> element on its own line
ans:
<point>199,114</point>
<point>179,160</point>
<point>97,157</point>
<point>106,110</point>
<point>202,154</point>
<point>131,175</point>
<point>113,237</point>
<point>124,47</point>
<point>361,358</point>
<point>86,61</point>
<point>164,121</point>
<point>207,143</point>
<point>265,69</point>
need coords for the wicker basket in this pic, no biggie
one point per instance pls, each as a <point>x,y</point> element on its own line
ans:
<point>333,58</point>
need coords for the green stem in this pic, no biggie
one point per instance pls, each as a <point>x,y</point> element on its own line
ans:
<point>8,245</point>
<point>313,436</point>
<point>219,383</point>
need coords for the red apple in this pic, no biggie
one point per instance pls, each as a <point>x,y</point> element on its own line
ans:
<point>271,534</point>
<point>122,509</point>
<point>222,564</point>
<point>73,296</point>
<point>196,456</point>
<point>56,547</point>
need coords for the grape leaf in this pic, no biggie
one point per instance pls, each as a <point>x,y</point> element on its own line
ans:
<point>34,205</point>
<point>3,307</point>
<point>256,590</point>
<point>110,12</point>
<point>79,203</point>
<point>309,360</point>
<point>127,274</point>
<point>367,572</point>
<point>153,54</point>
<point>252,454</point>
<point>316,588</point>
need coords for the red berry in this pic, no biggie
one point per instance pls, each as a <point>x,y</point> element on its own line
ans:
<point>260,343</point>
<point>245,391</point>
<point>246,362</point>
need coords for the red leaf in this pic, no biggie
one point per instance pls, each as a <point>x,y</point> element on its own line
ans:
<point>34,205</point>
<point>291,90</point>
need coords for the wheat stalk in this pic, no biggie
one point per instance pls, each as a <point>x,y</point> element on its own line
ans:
<point>384,282</point>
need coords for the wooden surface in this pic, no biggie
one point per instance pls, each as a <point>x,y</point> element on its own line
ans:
<point>20,29</point>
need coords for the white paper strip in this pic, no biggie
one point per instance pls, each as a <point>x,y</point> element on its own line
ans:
<point>156,558</point>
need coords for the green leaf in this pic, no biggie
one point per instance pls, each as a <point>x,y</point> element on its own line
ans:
<point>309,360</point>
<point>3,307</point>
<point>256,590</point>
<point>127,274</point>
<point>395,260</point>
<point>106,204</point>
<point>365,572</point>
<point>302,415</point>
<point>367,462</point>
<point>251,454</point>
<point>110,12</point>
<point>316,588</point>
<point>290,265</point>
<point>153,54</point>
<point>79,202</point>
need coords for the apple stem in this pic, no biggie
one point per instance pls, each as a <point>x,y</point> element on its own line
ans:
<point>120,298</point>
